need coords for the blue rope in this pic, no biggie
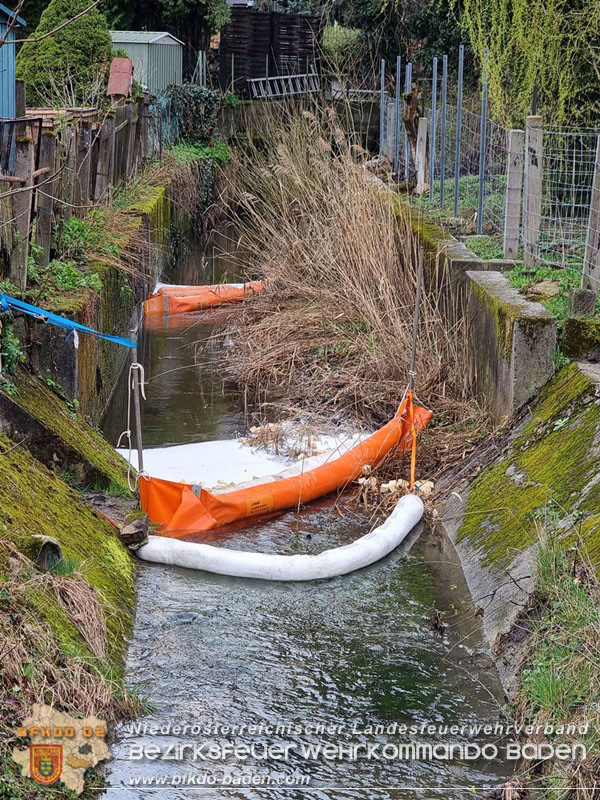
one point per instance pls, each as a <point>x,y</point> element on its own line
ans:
<point>10,303</point>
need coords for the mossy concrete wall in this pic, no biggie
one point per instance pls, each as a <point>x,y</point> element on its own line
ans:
<point>581,338</point>
<point>35,501</point>
<point>56,435</point>
<point>512,343</point>
<point>511,340</point>
<point>88,374</point>
<point>544,466</point>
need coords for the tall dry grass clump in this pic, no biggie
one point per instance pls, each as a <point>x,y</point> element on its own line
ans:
<point>332,333</point>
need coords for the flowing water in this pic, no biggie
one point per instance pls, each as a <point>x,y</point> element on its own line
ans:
<point>349,653</point>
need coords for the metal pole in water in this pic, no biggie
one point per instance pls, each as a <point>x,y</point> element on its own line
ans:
<point>482,143</point>
<point>407,88</point>
<point>381,107</point>
<point>397,116</point>
<point>432,138</point>
<point>415,331</point>
<point>443,130</point>
<point>135,377</point>
<point>459,100</point>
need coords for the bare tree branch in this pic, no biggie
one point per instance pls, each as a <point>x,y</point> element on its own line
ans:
<point>12,22</point>
<point>36,39</point>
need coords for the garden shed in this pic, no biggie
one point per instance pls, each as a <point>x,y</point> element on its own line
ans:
<point>157,57</point>
<point>9,25</point>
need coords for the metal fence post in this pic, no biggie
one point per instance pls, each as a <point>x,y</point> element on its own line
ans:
<point>591,263</point>
<point>514,182</point>
<point>432,136</point>
<point>532,207</point>
<point>459,100</point>
<point>443,130</point>
<point>381,107</point>
<point>407,88</point>
<point>397,116</point>
<point>421,155</point>
<point>482,144</point>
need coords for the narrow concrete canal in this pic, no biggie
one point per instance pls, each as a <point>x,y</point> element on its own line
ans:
<point>350,652</point>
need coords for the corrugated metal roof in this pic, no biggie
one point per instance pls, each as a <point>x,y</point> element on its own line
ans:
<point>5,10</point>
<point>143,37</point>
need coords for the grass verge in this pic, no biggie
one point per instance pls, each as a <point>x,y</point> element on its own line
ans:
<point>559,684</point>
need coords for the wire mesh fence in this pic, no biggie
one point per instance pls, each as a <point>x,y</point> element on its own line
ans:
<point>457,172</point>
<point>163,127</point>
<point>467,176</point>
<point>565,201</point>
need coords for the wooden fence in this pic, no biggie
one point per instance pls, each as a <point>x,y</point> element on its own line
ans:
<point>57,164</point>
<point>258,44</point>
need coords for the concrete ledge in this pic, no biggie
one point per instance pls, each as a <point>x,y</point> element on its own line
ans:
<point>581,338</point>
<point>512,343</point>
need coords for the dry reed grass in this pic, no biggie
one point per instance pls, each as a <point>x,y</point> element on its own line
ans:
<point>80,600</point>
<point>332,333</point>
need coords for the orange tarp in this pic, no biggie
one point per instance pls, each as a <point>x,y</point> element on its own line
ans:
<point>181,299</point>
<point>182,509</point>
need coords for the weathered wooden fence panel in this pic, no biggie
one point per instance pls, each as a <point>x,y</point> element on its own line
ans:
<point>53,168</point>
<point>258,44</point>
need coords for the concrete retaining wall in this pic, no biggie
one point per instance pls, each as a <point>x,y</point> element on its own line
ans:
<point>544,465</point>
<point>512,340</point>
<point>88,374</point>
<point>512,343</point>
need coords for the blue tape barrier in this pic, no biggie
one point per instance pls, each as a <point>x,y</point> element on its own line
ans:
<point>12,304</point>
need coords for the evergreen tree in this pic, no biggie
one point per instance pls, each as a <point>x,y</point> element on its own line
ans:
<point>71,64</point>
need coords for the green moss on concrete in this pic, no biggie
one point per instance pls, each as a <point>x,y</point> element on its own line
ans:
<point>46,607</point>
<point>580,337</point>
<point>554,460</point>
<point>69,303</point>
<point>560,397</point>
<point>499,518</point>
<point>589,532</point>
<point>432,236</point>
<point>35,397</point>
<point>33,500</point>
<point>503,312</point>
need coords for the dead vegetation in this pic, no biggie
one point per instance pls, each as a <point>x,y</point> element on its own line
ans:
<point>42,663</point>
<point>332,333</point>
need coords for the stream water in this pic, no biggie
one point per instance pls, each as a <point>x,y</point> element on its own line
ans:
<point>350,652</point>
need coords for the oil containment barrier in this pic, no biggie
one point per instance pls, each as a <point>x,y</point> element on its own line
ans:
<point>168,300</point>
<point>182,508</point>
<point>339,561</point>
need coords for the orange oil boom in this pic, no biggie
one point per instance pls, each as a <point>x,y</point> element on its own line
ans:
<point>182,509</point>
<point>181,299</point>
